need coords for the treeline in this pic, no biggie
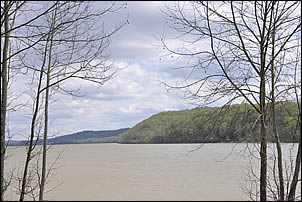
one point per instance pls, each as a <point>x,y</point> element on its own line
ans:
<point>83,137</point>
<point>103,136</point>
<point>231,123</point>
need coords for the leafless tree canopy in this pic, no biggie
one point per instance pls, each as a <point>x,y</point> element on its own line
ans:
<point>50,43</point>
<point>222,43</point>
<point>245,50</point>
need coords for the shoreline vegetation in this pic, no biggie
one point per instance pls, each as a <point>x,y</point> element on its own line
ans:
<point>237,123</point>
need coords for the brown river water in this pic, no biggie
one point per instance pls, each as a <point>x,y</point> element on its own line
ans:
<point>144,171</point>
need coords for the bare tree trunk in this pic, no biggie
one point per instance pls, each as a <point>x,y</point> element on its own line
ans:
<point>263,149</point>
<point>4,94</point>
<point>263,132</point>
<point>279,151</point>
<point>278,144</point>
<point>45,136</point>
<point>43,177</point>
<point>30,147</point>
<point>32,132</point>
<point>293,185</point>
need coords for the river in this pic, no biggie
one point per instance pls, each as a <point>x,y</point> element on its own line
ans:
<point>144,171</point>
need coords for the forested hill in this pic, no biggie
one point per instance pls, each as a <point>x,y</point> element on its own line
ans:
<point>232,123</point>
<point>102,136</point>
<point>88,137</point>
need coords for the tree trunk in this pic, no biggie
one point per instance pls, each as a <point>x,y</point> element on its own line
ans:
<point>278,144</point>
<point>263,132</point>
<point>279,153</point>
<point>43,176</point>
<point>32,132</point>
<point>30,147</point>
<point>293,186</point>
<point>4,95</point>
<point>263,152</point>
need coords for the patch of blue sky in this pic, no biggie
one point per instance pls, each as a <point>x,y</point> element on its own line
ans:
<point>150,66</point>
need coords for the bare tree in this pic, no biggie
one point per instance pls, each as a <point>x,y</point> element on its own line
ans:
<point>296,92</point>
<point>70,45</point>
<point>245,40</point>
<point>13,44</point>
<point>4,93</point>
<point>75,49</point>
<point>273,109</point>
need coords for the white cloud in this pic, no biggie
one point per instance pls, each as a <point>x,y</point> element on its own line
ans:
<point>132,96</point>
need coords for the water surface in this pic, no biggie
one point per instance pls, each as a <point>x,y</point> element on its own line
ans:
<point>145,171</point>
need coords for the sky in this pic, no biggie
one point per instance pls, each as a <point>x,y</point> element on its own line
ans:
<point>135,94</point>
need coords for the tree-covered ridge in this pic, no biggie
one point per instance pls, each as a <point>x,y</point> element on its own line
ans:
<point>231,123</point>
<point>86,136</point>
<point>83,137</point>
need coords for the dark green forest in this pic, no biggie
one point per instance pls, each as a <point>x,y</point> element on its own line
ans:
<point>230,123</point>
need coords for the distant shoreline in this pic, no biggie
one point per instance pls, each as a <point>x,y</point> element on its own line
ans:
<point>17,145</point>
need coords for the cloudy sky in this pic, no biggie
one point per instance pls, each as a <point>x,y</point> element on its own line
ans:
<point>135,94</point>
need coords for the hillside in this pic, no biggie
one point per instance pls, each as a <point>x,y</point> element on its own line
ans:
<point>102,136</point>
<point>88,137</point>
<point>232,123</point>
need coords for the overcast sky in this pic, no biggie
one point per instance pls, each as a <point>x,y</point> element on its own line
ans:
<point>133,95</point>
